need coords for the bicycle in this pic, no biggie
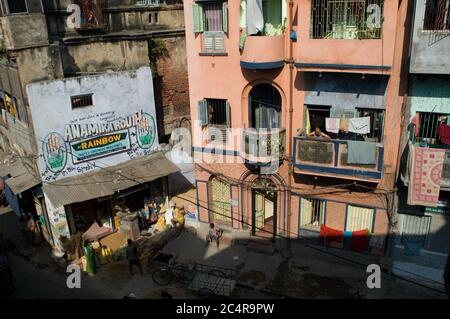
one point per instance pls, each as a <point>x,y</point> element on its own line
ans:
<point>173,270</point>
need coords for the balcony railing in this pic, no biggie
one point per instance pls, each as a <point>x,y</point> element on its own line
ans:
<point>346,19</point>
<point>437,16</point>
<point>329,158</point>
<point>263,146</point>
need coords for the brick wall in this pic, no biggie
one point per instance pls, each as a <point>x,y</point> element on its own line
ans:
<point>172,84</point>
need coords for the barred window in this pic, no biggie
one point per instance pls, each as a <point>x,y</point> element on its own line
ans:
<point>81,101</point>
<point>346,19</point>
<point>376,123</point>
<point>437,15</point>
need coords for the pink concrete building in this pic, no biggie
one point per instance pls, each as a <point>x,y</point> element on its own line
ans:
<point>291,67</point>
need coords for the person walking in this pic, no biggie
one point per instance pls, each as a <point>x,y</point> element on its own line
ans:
<point>133,256</point>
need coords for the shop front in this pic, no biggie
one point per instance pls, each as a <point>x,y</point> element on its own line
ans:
<point>73,205</point>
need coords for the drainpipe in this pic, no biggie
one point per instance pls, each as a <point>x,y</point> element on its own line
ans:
<point>290,110</point>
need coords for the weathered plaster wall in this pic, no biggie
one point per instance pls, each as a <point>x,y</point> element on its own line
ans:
<point>430,50</point>
<point>104,56</point>
<point>24,31</point>
<point>39,64</point>
<point>72,141</point>
<point>429,93</point>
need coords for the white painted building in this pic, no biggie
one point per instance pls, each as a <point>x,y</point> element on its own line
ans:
<point>97,145</point>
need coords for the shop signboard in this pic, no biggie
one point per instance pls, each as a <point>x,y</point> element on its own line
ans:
<point>116,125</point>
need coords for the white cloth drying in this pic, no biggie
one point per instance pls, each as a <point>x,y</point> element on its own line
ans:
<point>332,125</point>
<point>359,125</point>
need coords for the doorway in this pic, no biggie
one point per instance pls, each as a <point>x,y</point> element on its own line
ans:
<point>221,202</point>
<point>264,208</point>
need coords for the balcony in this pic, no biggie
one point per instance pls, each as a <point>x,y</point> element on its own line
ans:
<point>263,52</point>
<point>262,147</point>
<point>24,30</point>
<point>329,158</point>
<point>350,35</point>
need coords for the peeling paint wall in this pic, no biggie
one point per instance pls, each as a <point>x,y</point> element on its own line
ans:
<point>430,50</point>
<point>118,126</point>
<point>104,56</point>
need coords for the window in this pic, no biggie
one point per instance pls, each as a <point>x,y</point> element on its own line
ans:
<point>437,15</point>
<point>312,212</point>
<point>428,127</point>
<point>359,218</point>
<point>415,229</point>
<point>265,107</point>
<point>211,20</point>
<point>16,6</point>
<point>81,101</point>
<point>216,114</point>
<point>346,19</point>
<point>316,116</point>
<point>267,20</point>
<point>153,18</point>
<point>376,124</point>
<point>91,14</point>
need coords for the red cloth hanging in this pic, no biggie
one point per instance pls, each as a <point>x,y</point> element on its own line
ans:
<point>331,235</point>
<point>360,240</point>
<point>444,133</point>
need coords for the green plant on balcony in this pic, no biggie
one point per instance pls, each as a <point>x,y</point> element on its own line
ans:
<point>270,144</point>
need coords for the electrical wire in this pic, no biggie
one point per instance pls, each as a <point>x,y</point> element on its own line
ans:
<point>307,245</point>
<point>242,220</point>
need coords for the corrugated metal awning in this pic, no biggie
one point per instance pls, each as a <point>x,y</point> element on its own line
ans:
<point>107,181</point>
<point>21,183</point>
<point>21,178</point>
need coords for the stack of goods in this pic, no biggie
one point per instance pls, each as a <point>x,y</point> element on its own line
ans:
<point>130,226</point>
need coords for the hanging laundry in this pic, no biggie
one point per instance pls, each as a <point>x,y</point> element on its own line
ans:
<point>344,124</point>
<point>332,125</point>
<point>307,123</point>
<point>412,245</point>
<point>416,123</point>
<point>330,235</point>
<point>360,240</point>
<point>425,170</point>
<point>444,133</point>
<point>255,17</point>
<point>360,125</point>
<point>361,153</point>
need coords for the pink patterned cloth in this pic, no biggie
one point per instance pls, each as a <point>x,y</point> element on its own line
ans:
<point>425,175</point>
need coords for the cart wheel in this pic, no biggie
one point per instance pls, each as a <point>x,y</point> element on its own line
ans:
<point>217,273</point>
<point>205,293</point>
<point>162,277</point>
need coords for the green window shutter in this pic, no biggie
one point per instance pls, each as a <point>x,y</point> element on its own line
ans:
<point>305,212</point>
<point>224,17</point>
<point>203,112</point>
<point>228,112</point>
<point>197,18</point>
